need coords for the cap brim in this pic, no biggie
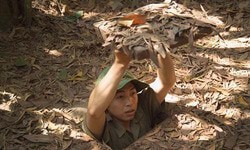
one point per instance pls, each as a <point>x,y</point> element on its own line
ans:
<point>127,77</point>
<point>123,83</point>
<point>138,84</point>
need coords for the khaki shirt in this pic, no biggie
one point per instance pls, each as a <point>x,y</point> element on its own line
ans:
<point>117,137</point>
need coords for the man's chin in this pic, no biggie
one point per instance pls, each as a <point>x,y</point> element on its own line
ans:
<point>129,118</point>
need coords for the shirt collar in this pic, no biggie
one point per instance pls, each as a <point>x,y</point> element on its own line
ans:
<point>120,130</point>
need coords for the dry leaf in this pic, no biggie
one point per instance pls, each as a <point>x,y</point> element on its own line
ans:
<point>231,141</point>
<point>154,131</point>
<point>151,139</point>
<point>55,53</point>
<point>224,121</point>
<point>212,147</point>
<point>33,63</point>
<point>192,103</point>
<point>66,144</point>
<point>77,77</point>
<point>204,138</point>
<point>242,101</point>
<point>137,19</point>
<point>217,128</point>
<point>174,134</point>
<point>223,91</point>
<point>37,138</point>
<point>126,23</point>
<point>52,126</point>
<point>132,19</point>
<point>81,136</point>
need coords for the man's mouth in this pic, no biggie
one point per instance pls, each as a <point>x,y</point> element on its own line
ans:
<point>130,112</point>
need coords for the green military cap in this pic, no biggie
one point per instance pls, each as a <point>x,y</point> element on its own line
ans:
<point>127,77</point>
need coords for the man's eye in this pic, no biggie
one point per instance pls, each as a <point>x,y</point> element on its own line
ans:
<point>120,97</point>
<point>133,93</point>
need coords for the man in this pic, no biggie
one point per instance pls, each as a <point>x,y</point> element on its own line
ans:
<point>121,109</point>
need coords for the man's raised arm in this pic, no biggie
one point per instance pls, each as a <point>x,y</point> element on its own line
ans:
<point>104,93</point>
<point>165,77</point>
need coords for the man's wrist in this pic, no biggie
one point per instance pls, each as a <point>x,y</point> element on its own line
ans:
<point>122,65</point>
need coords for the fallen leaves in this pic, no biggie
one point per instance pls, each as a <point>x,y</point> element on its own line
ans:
<point>126,23</point>
<point>242,101</point>
<point>154,35</point>
<point>54,52</point>
<point>79,76</point>
<point>230,141</point>
<point>39,138</point>
<point>132,19</point>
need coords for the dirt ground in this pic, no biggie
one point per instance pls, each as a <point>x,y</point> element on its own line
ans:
<point>47,72</point>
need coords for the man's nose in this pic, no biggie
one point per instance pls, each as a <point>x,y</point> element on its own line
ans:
<point>129,101</point>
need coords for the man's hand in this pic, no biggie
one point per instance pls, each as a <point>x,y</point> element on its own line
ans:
<point>165,77</point>
<point>121,58</point>
<point>139,52</point>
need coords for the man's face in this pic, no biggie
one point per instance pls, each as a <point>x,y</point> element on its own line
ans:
<point>124,104</point>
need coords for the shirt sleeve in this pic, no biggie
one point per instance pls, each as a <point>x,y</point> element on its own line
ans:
<point>87,131</point>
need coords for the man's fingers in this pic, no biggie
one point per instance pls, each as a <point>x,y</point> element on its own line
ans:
<point>160,49</point>
<point>152,53</point>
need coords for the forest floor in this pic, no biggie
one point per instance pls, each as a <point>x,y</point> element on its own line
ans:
<point>47,72</point>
